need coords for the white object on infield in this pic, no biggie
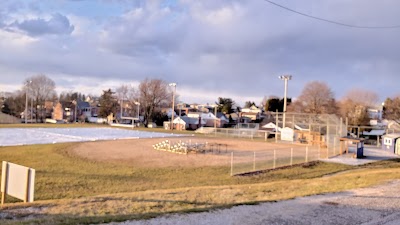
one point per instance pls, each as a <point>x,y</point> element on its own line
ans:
<point>17,181</point>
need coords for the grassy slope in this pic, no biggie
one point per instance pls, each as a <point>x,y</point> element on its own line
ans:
<point>61,175</point>
<point>151,191</point>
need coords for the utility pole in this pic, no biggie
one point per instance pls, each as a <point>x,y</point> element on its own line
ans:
<point>173,105</point>
<point>138,115</point>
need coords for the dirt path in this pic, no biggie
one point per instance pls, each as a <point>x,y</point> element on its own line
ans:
<point>140,153</point>
<point>366,206</point>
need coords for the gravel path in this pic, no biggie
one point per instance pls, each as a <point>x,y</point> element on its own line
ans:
<point>367,206</point>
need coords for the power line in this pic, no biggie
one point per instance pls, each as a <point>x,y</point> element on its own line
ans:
<point>331,21</point>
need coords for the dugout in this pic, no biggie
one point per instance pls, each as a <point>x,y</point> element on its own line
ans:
<point>344,146</point>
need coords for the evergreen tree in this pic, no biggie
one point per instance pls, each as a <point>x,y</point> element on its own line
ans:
<point>225,105</point>
<point>108,104</point>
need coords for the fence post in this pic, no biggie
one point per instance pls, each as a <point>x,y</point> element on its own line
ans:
<point>319,148</point>
<point>319,154</point>
<point>274,159</point>
<point>306,153</point>
<point>231,163</point>
<point>327,152</point>
<point>291,157</point>
<point>334,146</point>
<point>254,162</point>
<point>276,127</point>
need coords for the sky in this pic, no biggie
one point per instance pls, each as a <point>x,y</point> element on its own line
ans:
<point>210,48</point>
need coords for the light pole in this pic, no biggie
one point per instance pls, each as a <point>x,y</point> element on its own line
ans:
<point>286,78</point>
<point>26,101</point>
<point>173,104</point>
<point>31,108</point>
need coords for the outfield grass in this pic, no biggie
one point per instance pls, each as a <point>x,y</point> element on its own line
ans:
<point>62,175</point>
<point>72,190</point>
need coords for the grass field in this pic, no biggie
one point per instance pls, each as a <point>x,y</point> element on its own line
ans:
<point>71,189</point>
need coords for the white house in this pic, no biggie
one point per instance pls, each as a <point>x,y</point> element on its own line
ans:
<point>184,122</point>
<point>209,118</point>
<point>252,109</point>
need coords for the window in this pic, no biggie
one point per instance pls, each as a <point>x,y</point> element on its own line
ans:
<point>387,141</point>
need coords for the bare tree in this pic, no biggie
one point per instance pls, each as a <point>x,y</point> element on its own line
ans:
<point>316,98</point>
<point>362,97</point>
<point>392,108</point>
<point>355,106</point>
<point>152,94</point>
<point>122,93</point>
<point>41,88</point>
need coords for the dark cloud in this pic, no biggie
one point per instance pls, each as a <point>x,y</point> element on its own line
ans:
<point>58,24</point>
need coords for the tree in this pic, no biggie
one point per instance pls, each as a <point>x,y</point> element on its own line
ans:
<point>122,93</point>
<point>41,88</point>
<point>276,104</point>
<point>108,104</point>
<point>316,98</point>
<point>14,104</point>
<point>391,109</point>
<point>355,106</point>
<point>152,93</point>
<point>225,105</point>
<point>249,104</point>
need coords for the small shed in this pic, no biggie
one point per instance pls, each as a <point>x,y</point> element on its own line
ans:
<point>287,134</point>
<point>389,142</point>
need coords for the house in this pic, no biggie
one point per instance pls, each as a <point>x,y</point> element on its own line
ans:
<point>247,117</point>
<point>210,119</point>
<point>58,112</point>
<point>87,109</point>
<point>250,114</point>
<point>252,109</point>
<point>271,127</point>
<point>392,126</point>
<point>223,120</point>
<point>188,123</point>
<point>390,142</point>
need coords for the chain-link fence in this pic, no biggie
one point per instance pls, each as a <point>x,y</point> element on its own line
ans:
<point>237,133</point>
<point>247,162</point>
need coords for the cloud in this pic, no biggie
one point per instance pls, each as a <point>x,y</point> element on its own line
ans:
<point>219,48</point>
<point>57,25</point>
